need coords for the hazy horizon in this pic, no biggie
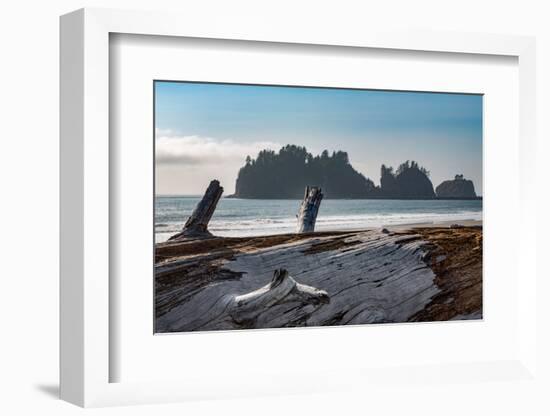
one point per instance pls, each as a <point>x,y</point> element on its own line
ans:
<point>205,131</point>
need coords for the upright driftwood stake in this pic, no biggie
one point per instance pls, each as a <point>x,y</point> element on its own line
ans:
<point>197,223</point>
<point>309,209</point>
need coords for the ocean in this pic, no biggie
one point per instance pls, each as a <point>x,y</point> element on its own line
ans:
<point>250,217</point>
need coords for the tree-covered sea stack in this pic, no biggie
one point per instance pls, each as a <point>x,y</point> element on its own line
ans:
<point>285,174</point>
<point>457,188</point>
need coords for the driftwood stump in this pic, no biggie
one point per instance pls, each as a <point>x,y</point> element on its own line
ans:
<point>283,289</point>
<point>309,209</point>
<point>196,225</point>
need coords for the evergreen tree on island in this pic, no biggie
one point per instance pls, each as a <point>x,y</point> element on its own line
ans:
<point>285,174</point>
<point>409,181</point>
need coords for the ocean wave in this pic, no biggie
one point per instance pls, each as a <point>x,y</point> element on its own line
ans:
<point>262,226</point>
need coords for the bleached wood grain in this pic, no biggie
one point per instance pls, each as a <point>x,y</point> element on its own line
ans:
<point>368,277</point>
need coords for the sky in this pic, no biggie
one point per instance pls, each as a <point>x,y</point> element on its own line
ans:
<point>204,131</point>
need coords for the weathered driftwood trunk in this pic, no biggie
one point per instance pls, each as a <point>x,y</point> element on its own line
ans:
<point>197,224</point>
<point>309,209</point>
<point>333,278</point>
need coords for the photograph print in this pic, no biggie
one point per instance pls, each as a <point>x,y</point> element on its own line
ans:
<point>287,206</point>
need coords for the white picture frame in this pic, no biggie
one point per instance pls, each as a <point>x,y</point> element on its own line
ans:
<point>85,204</point>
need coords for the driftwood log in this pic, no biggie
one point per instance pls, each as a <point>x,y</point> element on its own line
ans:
<point>196,225</point>
<point>248,309</point>
<point>326,278</point>
<point>309,209</point>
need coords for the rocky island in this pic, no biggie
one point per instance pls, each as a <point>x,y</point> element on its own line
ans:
<point>285,174</point>
<point>457,188</point>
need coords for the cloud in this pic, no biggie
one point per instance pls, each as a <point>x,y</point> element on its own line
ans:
<point>164,132</point>
<point>196,150</point>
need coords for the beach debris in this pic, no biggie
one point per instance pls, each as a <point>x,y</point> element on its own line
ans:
<point>327,278</point>
<point>385,231</point>
<point>282,289</point>
<point>309,209</point>
<point>196,225</point>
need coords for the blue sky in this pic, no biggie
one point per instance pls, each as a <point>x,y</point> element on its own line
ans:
<point>208,129</point>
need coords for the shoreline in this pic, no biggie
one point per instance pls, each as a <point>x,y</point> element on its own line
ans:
<point>441,224</point>
<point>393,227</point>
<point>385,198</point>
<point>299,198</point>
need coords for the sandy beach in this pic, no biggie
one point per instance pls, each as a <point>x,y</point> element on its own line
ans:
<point>441,224</point>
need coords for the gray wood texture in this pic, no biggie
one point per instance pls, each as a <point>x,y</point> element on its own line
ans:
<point>309,209</point>
<point>197,224</point>
<point>326,279</point>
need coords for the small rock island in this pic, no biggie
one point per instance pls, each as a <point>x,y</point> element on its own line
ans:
<point>459,188</point>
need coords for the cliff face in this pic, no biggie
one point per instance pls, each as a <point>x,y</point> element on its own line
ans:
<point>457,188</point>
